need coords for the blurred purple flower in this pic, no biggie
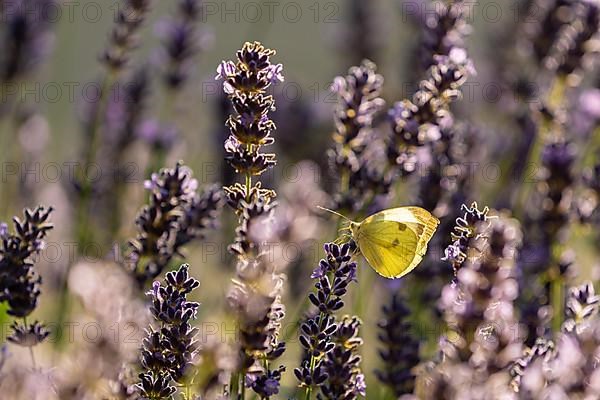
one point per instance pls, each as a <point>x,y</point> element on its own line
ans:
<point>157,134</point>
<point>589,103</point>
<point>3,230</point>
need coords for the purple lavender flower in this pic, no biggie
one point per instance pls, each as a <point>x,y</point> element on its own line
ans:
<point>168,351</point>
<point>19,282</point>
<point>28,335</point>
<point>360,385</point>
<point>254,296</point>
<point>266,384</point>
<point>483,338</point>
<point>317,334</point>
<point>359,178</point>
<point>274,73</point>
<point>176,215</point>
<point>345,379</point>
<point>453,254</point>
<point>420,122</point>
<point>320,271</point>
<point>467,228</point>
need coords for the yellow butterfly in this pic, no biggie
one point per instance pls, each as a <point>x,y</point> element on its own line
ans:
<point>393,241</point>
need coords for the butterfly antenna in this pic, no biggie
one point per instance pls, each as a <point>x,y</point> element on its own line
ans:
<point>335,213</point>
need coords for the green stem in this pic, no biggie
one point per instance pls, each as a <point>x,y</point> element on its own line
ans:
<point>556,94</point>
<point>159,155</point>
<point>248,186</point>
<point>344,181</point>
<point>554,99</point>
<point>265,363</point>
<point>301,308</point>
<point>313,361</point>
<point>233,386</point>
<point>242,385</point>
<point>83,231</point>
<point>5,151</point>
<point>297,318</point>
<point>33,363</point>
<point>590,150</point>
<point>556,292</point>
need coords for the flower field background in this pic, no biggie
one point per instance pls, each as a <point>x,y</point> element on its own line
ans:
<point>164,169</point>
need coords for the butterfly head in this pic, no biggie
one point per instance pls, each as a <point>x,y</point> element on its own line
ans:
<point>353,227</point>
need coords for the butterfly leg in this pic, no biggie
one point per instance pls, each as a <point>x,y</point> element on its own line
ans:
<point>342,239</point>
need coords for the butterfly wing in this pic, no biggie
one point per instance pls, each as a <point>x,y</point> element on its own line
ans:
<point>394,241</point>
<point>391,254</point>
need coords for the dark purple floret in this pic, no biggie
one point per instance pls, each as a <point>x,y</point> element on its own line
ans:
<point>266,384</point>
<point>28,335</point>
<point>558,156</point>
<point>400,348</point>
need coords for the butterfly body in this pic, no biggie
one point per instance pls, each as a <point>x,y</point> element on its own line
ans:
<point>394,241</point>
